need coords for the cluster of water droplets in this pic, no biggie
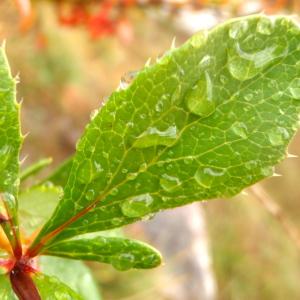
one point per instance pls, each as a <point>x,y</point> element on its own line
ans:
<point>206,176</point>
<point>137,206</point>
<point>153,136</point>
<point>246,64</point>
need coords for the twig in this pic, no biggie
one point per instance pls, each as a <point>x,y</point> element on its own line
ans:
<point>276,211</point>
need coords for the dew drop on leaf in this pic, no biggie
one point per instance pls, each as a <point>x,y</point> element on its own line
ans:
<point>206,176</point>
<point>199,39</point>
<point>205,61</point>
<point>5,152</point>
<point>168,182</point>
<point>153,137</point>
<point>90,195</point>
<point>137,206</point>
<point>240,129</point>
<point>267,171</point>
<point>238,29</point>
<point>84,173</point>
<point>131,176</point>
<point>123,262</point>
<point>244,65</point>
<point>199,99</point>
<point>294,89</point>
<point>278,135</point>
<point>264,26</point>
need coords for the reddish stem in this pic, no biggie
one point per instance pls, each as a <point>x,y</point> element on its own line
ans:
<point>33,251</point>
<point>21,281</point>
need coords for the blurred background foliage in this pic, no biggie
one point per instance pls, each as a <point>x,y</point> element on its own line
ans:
<point>70,55</point>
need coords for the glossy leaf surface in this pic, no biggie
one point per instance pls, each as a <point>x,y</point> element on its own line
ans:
<point>122,253</point>
<point>207,120</point>
<point>10,143</point>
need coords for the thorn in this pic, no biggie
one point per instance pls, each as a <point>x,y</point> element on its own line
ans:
<point>276,175</point>
<point>244,193</point>
<point>289,155</point>
<point>25,135</point>
<point>17,78</point>
<point>148,62</point>
<point>23,159</point>
<point>173,43</point>
<point>20,103</point>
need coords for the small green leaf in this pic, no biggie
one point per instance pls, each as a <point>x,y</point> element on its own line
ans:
<point>207,120</point>
<point>72,273</point>
<point>35,168</point>
<point>50,288</point>
<point>10,143</point>
<point>36,205</point>
<point>6,291</point>
<point>122,253</point>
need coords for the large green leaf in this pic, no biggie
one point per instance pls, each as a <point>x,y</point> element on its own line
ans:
<point>50,288</point>
<point>207,120</point>
<point>74,274</point>
<point>122,253</point>
<point>10,143</point>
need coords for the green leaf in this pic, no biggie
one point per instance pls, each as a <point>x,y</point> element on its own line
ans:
<point>35,168</point>
<point>50,288</point>
<point>123,254</point>
<point>10,143</point>
<point>207,120</point>
<point>36,205</point>
<point>74,274</point>
<point>6,292</point>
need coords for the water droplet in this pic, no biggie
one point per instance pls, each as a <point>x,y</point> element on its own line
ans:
<point>116,221</point>
<point>153,136</point>
<point>187,161</point>
<point>90,195</point>
<point>114,191</point>
<point>199,99</point>
<point>240,129</point>
<point>267,171</point>
<point>177,95</point>
<point>93,114</point>
<point>206,176</point>
<point>168,182</point>
<point>249,97</point>
<point>159,106</point>
<point>244,65</point>
<point>137,206</point>
<point>124,171</point>
<point>85,172</point>
<point>264,26</point>
<point>5,152</point>
<point>223,79</point>
<point>205,61</point>
<point>123,262</point>
<point>238,29</point>
<point>98,167</point>
<point>127,79</point>
<point>199,39</point>
<point>143,167</point>
<point>275,137</point>
<point>294,89</point>
<point>131,176</point>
